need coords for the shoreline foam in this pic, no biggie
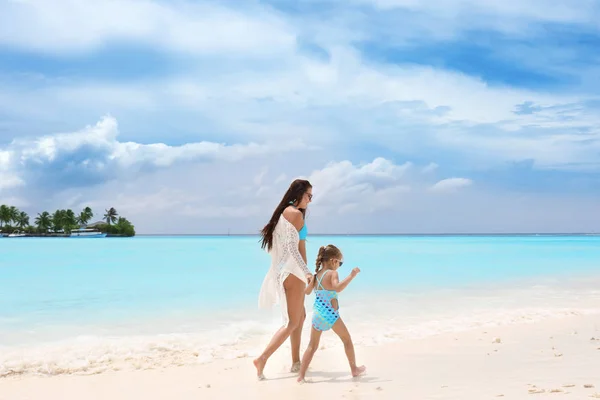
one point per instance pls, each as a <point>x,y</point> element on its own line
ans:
<point>554,357</point>
<point>201,339</point>
<point>89,355</point>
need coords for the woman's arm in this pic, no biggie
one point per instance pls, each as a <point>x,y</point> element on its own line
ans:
<point>295,218</point>
<point>302,250</point>
<point>310,286</point>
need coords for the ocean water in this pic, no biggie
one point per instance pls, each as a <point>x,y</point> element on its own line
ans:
<point>92,305</point>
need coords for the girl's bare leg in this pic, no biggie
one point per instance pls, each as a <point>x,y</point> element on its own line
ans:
<point>340,329</point>
<point>294,294</point>
<point>313,345</point>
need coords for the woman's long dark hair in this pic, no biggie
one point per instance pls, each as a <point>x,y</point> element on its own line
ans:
<point>293,194</point>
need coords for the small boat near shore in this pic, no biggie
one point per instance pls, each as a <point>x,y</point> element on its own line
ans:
<point>78,233</point>
<point>87,233</point>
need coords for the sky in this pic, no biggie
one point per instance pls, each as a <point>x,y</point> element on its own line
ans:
<point>446,116</point>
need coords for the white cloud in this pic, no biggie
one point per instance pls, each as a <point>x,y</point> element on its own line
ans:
<point>226,196</point>
<point>282,177</point>
<point>512,16</point>
<point>8,181</point>
<point>411,108</point>
<point>14,201</point>
<point>234,190</point>
<point>186,198</point>
<point>96,153</point>
<point>175,202</point>
<point>407,106</point>
<point>548,150</point>
<point>67,26</point>
<point>258,179</point>
<point>339,180</point>
<point>451,185</point>
<point>559,10</point>
<point>343,187</point>
<point>223,198</point>
<point>429,168</point>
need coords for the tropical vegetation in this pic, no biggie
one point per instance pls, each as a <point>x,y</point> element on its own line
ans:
<point>62,222</point>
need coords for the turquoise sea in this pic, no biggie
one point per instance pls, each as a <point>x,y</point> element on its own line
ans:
<point>91,305</point>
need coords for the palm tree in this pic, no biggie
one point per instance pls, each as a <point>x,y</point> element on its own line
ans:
<point>61,220</point>
<point>111,216</point>
<point>43,221</point>
<point>14,214</point>
<point>4,215</point>
<point>84,217</point>
<point>69,220</point>
<point>57,220</point>
<point>22,220</point>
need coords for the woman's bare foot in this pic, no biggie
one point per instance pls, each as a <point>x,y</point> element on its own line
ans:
<point>296,367</point>
<point>357,371</point>
<point>300,379</point>
<point>259,363</point>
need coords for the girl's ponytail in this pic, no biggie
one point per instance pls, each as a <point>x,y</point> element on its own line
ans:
<point>320,260</point>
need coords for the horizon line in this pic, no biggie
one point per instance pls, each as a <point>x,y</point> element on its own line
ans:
<point>387,234</point>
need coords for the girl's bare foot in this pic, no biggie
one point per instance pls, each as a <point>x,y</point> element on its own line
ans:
<point>357,371</point>
<point>295,367</point>
<point>259,363</point>
<point>300,379</point>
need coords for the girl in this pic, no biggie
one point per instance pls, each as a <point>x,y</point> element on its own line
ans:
<point>325,312</point>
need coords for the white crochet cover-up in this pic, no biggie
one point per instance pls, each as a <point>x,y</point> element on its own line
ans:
<point>285,260</point>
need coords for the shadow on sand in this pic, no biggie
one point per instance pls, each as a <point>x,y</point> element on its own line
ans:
<point>332,377</point>
<point>341,377</point>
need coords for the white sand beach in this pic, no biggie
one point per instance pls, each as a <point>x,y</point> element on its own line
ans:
<point>547,359</point>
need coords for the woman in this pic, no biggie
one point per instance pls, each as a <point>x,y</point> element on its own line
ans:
<point>284,237</point>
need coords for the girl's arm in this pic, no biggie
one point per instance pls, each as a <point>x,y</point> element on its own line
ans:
<point>339,286</point>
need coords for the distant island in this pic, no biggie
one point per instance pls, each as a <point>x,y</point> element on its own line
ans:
<point>63,223</point>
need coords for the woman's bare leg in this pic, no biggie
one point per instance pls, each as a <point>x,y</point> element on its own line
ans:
<point>313,346</point>
<point>295,341</point>
<point>294,294</point>
<point>340,329</point>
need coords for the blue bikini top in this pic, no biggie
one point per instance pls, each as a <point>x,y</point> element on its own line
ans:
<point>302,232</point>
